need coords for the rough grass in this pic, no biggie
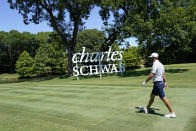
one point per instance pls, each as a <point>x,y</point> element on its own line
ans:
<point>95,104</point>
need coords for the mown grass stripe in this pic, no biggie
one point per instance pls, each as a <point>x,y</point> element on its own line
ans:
<point>45,121</point>
<point>39,114</point>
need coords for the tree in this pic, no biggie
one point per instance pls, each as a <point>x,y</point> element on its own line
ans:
<point>50,59</point>
<point>66,17</point>
<point>43,37</point>
<point>121,11</point>
<point>166,27</point>
<point>25,65</point>
<point>132,58</point>
<point>13,44</point>
<point>4,61</point>
<point>92,39</point>
<point>171,33</point>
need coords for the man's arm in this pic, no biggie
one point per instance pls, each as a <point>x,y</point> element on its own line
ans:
<point>153,71</point>
<point>164,79</point>
<point>148,78</point>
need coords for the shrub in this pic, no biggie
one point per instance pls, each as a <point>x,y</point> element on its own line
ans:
<point>50,59</point>
<point>25,65</point>
<point>132,58</point>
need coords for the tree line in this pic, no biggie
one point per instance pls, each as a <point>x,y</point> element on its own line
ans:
<point>163,26</point>
<point>12,44</point>
<point>42,54</point>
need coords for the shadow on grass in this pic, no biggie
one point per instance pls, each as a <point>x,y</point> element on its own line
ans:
<point>34,79</point>
<point>135,72</point>
<point>151,111</point>
<point>176,70</point>
<point>128,73</point>
<point>89,76</point>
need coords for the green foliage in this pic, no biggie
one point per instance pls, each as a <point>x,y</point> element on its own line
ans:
<point>41,60</point>
<point>166,27</point>
<point>54,12</point>
<point>43,37</point>
<point>4,67</point>
<point>25,65</point>
<point>50,59</point>
<point>92,39</point>
<point>132,58</point>
<point>12,44</point>
<point>170,33</point>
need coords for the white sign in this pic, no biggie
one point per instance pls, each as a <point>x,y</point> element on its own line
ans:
<point>100,57</point>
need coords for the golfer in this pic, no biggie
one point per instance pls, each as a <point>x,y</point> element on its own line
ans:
<point>158,76</point>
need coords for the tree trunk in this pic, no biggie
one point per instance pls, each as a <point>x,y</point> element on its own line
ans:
<point>11,63</point>
<point>73,42</point>
<point>70,63</point>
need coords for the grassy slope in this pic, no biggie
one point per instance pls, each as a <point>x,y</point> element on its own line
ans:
<point>98,104</point>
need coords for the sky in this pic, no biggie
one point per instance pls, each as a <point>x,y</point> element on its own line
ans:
<point>11,20</point>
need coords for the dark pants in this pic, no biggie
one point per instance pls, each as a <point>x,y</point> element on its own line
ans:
<point>158,89</point>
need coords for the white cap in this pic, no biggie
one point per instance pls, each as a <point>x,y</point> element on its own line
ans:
<point>154,55</point>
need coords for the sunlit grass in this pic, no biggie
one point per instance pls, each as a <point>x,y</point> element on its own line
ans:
<point>100,104</point>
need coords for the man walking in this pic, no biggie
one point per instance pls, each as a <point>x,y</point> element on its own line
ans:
<point>158,76</point>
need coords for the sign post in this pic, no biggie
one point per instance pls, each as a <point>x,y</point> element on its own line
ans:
<point>100,68</point>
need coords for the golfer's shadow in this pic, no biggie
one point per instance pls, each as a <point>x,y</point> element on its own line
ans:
<point>150,111</point>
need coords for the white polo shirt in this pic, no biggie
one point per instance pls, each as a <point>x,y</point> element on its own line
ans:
<point>158,71</point>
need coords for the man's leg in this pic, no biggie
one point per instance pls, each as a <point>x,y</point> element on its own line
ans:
<point>168,105</point>
<point>152,96</point>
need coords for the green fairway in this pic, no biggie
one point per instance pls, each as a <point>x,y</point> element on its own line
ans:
<point>94,104</point>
